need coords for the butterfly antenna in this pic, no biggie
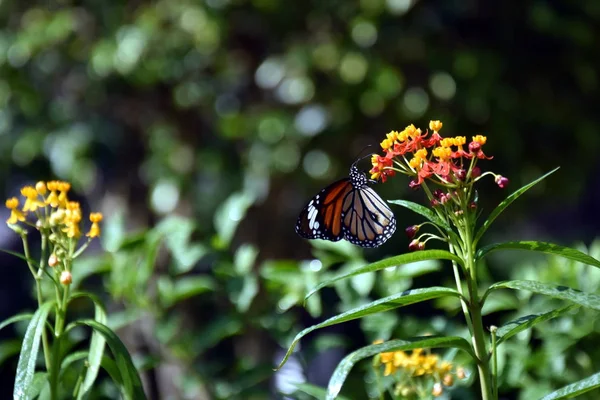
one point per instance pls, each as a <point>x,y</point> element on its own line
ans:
<point>363,157</point>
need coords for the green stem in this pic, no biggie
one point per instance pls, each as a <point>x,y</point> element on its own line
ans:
<point>477,332</point>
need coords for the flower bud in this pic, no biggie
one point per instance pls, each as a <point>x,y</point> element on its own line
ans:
<point>460,174</point>
<point>53,260</point>
<point>66,278</point>
<point>474,147</point>
<point>458,212</point>
<point>437,389</point>
<point>448,380</point>
<point>414,245</point>
<point>435,202</point>
<point>445,198</point>
<point>473,205</point>
<point>414,185</point>
<point>501,181</point>
<point>438,193</point>
<point>460,373</point>
<point>421,246</point>
<point>475,172</point>
<point>411,231</point>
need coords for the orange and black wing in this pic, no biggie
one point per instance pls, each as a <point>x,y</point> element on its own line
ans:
<point>322,216</point>
<point>367,220</point>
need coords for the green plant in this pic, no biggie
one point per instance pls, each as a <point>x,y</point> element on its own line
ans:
<point>48,210</point>
<point>447,174</point>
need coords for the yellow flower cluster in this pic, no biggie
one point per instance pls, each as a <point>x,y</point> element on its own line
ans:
<point>419,364</point>
<point>395,137</point>
<point>49,202</point>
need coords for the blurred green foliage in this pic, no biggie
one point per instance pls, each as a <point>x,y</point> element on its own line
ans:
<point>231,113</point>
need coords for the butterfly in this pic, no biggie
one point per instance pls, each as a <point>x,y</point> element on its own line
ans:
<point>348,209</point>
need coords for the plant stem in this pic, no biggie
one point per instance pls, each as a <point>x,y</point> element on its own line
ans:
<point>477,332</point>
<point>494,363</point>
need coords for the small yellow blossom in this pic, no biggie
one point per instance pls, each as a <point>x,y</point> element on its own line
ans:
<point>72,219</point>
<point>15,214</point>
<point>443,153</point>
<point>32,201</point>
<point>480,139</point>
<point>63,187</point>
<point>95,228</point>
<point>52,198</point>
<point>435,126</point>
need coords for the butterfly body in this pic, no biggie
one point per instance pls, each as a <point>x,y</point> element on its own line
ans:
<point>348,209</point>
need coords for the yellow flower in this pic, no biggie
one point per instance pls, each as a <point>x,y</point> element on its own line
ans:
<point>63,187</point>
<point>72,219</point>
<point>480,139</point>
<point>435,126</point>
<point>52,197</point>
<point>32,202</point>
<point>15,214</point>
<point>95,228</point>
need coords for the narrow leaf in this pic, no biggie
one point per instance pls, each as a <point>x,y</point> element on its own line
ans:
<point>29,351</point>
<point>343,369</point>
<point>39,380</point>
<point>575,389</point>
<point>132,385</point>
<point>97,344</point>
<point>390,262</point>
<point>387,303</point>
<point>511,328</point>
<point>22,257</point>
<point>422,210</point>
<point>498,210</point>
<point>15,318</point>
<point>541,247</point>
<point>589,300</point>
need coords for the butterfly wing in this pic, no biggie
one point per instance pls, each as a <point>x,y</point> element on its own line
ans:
<point>322,217</point>
<point>367,220</point>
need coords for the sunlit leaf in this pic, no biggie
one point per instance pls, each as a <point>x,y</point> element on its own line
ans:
<point>343,369</point>
<point>387,303</point>
<point>589,300</point>
<point>389,262</point>
<point>575,389</point>
<point>29,351</point>
<point>316,391</point>
<point>502,206</point>
<point>511,328</point>
<point>541,247</point>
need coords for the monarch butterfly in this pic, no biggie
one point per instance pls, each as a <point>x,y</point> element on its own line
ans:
<point>348,209</point>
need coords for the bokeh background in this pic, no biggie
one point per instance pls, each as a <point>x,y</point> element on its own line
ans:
<point>201,128</point>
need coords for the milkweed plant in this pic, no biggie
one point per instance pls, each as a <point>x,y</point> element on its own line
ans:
<point>48,211</point>
<point>447,171</point>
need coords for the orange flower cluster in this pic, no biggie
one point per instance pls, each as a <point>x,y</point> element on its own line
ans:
<point>426,156</point>
<point>49,202</point>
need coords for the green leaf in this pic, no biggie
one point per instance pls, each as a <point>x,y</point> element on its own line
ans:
<point>511,328</point>
<point>132,385</point>
<point>39,380</point>
<point>389,262</point>
<point>29,351</point>
<point>230,214</point>
<point>316,391</point>
<point>9,348</point>
<point>422,210</point>
<point>387,303</point>
<point>177,232</point>
<point>541,247</point>
<point>343,369</point>
<point>172,292</point>
<point>97,343</point>
<point>575,389</point>
<point>22,257</point>
<point>498,210</point>
<point>589,300</point>
<point>15,318</point>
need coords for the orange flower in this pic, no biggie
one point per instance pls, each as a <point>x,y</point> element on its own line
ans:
<point>15,214</point>
<point>95,228</point>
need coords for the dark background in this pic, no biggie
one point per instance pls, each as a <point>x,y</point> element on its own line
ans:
<point>168,107</point>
